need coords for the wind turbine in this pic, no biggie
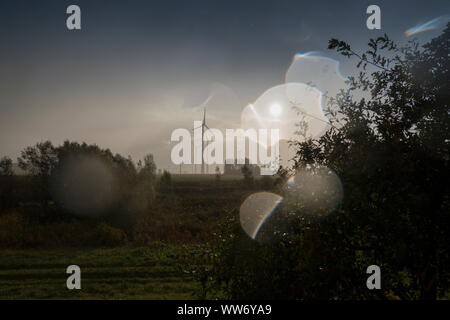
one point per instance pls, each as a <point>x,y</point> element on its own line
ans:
<point>203,126</point>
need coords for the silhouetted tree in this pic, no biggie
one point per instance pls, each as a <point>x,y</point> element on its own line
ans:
<point>217,174</point>
<point>6,166</point>
<point>147,179</point>
<point>391,151</point>
<point>6,183</point>
<point>165,182</point>
<point>88,180</point>
<point>248,175</point>
<point>39,160</point>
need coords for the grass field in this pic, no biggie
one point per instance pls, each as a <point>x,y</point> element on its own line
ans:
<point>37,243</point>
<point>120,273</point>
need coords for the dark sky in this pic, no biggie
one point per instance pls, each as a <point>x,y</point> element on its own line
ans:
<point>137,68</point>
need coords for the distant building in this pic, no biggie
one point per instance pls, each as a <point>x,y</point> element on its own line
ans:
<point>235,169</point>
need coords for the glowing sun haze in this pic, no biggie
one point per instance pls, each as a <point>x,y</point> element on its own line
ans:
<point>139,69</point>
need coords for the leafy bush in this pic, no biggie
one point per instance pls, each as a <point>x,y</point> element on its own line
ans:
<point>392,153</point>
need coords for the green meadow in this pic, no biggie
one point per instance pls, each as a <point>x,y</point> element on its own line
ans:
<point>153,272</point>
<point>141,257</point>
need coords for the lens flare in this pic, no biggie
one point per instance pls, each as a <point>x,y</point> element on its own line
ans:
<point>84,186</point>
<point>316,190</point>
<point>256,209</point>
<point>291,99</point>
<point>320,72</point>
<point>275,109</point>
<point>433,24</point>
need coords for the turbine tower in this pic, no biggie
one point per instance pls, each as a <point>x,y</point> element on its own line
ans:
<point>203,134</point>
<point>203,126</point>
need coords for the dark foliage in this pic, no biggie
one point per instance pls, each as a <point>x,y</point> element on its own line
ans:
<point>391,151</point>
